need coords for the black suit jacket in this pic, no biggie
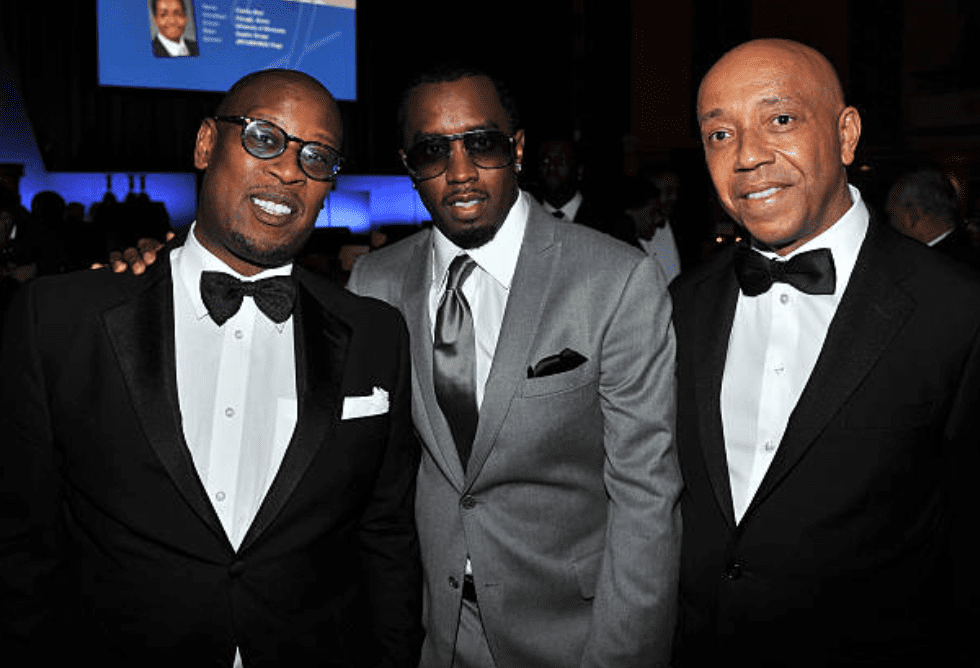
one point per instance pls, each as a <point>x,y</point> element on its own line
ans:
<point>160,51</point>
<point>109,547</point>
<point>854,549</point>
<point>958,246</point>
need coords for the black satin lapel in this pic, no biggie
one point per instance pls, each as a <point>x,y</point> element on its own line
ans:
<point>142,334</point>
<point>714,311</point>
<point>321,351</point>
<point>869,317</point>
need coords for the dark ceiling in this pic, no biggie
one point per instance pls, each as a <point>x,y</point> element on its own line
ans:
<point>567,61</point>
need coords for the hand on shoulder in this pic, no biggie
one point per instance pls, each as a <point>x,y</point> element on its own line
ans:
<point>134,259</point>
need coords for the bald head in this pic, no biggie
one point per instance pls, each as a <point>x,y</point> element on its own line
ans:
<point>765,53</point>
<point>259,86</point>
<point>777,138</point>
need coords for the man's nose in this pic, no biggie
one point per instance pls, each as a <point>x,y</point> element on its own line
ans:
<point>461,167</point>
<point>752,150</point>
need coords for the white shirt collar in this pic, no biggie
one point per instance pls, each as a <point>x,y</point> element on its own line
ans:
<point>172,47</point>
<point>843,238</point>
<point>941,236</point>
<point>192,259</point>
<point>497,257</point>
<point>569,208</point>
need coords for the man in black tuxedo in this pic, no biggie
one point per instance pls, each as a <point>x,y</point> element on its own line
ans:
<point>827,398</point>
<point>193,477</point>
<point>923,205</point>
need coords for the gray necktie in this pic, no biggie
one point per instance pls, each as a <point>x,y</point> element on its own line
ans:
<point>454,359</point>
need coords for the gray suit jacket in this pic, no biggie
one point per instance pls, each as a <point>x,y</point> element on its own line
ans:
<point>569,506</point>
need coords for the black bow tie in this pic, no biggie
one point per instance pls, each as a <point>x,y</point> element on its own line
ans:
<point>223,294</point>
<point>811,272</point>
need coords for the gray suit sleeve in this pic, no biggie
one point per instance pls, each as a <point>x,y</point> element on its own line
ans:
<point>634,610</point>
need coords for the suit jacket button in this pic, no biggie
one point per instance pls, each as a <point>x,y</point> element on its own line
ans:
<point>468,502</point>
<point>453,582</point>
<point>236,569</point>
<point>733,571</point>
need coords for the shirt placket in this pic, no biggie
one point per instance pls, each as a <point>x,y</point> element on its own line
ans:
<point>228,421</point>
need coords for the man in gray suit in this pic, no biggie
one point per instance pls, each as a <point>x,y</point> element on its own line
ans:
<point>543,374</point>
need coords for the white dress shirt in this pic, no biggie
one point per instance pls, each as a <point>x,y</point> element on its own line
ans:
<point>236,386</point>
<point>775,340</point>
<point>568,209</point>
<point>174,48</point>
<point>488,285</point>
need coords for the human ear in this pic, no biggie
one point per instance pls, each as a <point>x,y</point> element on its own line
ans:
<point>518,148</point>
<point>207,137</point>
<point>849,132</point>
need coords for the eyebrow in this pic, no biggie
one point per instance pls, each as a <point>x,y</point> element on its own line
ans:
<point>771,101</point>
<point>707,116</point>
<point>422,136</point>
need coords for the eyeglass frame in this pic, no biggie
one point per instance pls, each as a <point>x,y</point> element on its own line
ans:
<point>245,121</point>
<point>451,138</point>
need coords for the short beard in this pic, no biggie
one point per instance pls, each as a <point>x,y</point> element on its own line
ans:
<point>244,249</point>
<point>474,237</point>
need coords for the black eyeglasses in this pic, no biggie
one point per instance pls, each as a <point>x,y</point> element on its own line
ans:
<point>429,158</point>
<point>265,140</point>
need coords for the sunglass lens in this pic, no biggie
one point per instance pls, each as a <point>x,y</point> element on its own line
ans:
<point>428,157</point>
<point>263,140</point>
<point>489,149</point>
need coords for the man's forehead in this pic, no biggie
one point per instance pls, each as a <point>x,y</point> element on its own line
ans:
<point>766,73</point>
<point>469,100</point>
<point>284,102</point>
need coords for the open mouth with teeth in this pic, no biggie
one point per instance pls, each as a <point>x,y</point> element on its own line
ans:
<point>276,209</point>
<point>763,194</point>
<point>466,205</point>
<point>467,200</point>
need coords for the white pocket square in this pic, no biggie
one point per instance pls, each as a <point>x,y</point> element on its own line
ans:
<point>374,404</point>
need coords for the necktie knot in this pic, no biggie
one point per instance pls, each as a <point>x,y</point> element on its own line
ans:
<point>558,213</point>
<point>222,294</point>
<point>459,269</point>
<point>812,272</point>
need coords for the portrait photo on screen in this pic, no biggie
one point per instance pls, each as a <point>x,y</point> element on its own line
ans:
<point>172,28</point>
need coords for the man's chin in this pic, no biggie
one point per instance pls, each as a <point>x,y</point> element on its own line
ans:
<point>472,236</point>
<point>264,257</point>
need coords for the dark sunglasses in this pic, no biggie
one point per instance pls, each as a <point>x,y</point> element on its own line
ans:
<point>429,158</point>
<point>265,140</point>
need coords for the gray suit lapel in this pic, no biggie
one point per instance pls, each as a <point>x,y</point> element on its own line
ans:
<point>142,334</point>
<point>529,289</point>
<point>429,419</point>
<point>714,311</point>
<point>870,315</point>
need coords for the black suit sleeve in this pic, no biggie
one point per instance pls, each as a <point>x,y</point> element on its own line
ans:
<point>962,454</point>
<point>30,488</point>
<point>387,536</point>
